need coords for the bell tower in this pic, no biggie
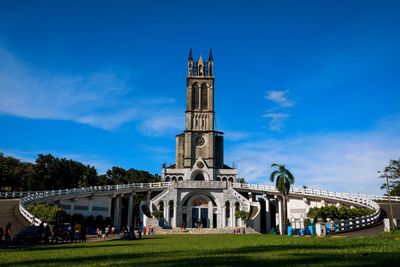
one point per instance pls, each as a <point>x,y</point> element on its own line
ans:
<point>200,94</point>
<point>200,140</point>
<point>200,148</point>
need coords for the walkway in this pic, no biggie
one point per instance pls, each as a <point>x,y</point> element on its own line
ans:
<point>372,231</point>
<point>9,212</point>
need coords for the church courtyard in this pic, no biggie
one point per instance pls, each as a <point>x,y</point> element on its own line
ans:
<point>212,250</point>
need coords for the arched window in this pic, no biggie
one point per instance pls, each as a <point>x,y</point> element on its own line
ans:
<point>204,95</point>
<point>173,179</point>
<point>196,96</point>
<point>230,179</point>
<point>167,178</point>
<point>180,178</point>
<point>171,209</point>
<point>218,179</point>
<point>237,206</point>
<point>227,210</point>
<point>224,179</point>
<point>199,177</point>
<point>161,208</point>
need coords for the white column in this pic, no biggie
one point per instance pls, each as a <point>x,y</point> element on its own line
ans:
<point>117,213</point>
<point>72,205</point>
<point>166,211</point>
<point>210,214</point>
<point>223,216</point>
<point>130,211</point>
<point>267,213</point>
<point>232,219</point>
<point>175,215</point>
<point>189,216</point>
<point>280,215</point>
<point>90,207</point>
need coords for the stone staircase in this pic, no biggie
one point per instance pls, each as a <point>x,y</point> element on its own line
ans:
<point>9,213</point>
<point>228,230</point>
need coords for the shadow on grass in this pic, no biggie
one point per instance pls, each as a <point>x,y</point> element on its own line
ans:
<point>278,255</point>
<point>97,244</point>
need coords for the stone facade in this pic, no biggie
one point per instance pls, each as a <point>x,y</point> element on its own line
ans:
<point>199,149</point>
<point>201,191</point>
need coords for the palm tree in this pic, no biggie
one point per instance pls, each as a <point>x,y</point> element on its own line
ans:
<point>283,179</point>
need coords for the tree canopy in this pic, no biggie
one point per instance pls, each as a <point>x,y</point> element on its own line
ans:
<point>49,172</point>
<point>392,171</point>
<point>283,178</point>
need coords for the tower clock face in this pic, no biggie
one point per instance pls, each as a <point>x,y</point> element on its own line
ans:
<point>199,141</point>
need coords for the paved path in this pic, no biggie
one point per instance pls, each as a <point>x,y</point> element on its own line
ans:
<point>9,212</point>
<point>373,231</point>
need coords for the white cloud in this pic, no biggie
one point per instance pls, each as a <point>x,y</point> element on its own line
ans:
<point>162,124</point>
<point>275,115</point>
<point>235,135</point>
<point>342,161</point>
<point>280,98</point>
<point>99,99</point>
<point>276,120</point>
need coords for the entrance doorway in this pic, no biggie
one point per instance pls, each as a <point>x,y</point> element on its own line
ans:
<point>200,217</point>
<point>200,213</point>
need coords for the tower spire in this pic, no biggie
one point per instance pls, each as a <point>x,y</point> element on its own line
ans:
<point>210,56</point>
<point>190,55</point>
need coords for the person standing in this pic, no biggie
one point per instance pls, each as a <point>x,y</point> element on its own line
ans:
<point>83,233</point>
<point>140,229</point>
<point>46,234</point>
<point>40,231</point>
<point>78,229</point>
<point>7,234</point>
<point>54,233</point>
<point>1,234</point>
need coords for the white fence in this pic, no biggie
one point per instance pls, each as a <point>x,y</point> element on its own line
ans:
<point>360,199</point>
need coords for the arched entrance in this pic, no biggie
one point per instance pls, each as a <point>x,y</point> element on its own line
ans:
<point>200,213</point>
<point>199,175</point>
<point>199,210</point>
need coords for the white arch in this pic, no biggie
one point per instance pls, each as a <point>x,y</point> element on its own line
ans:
<point>205,175</point>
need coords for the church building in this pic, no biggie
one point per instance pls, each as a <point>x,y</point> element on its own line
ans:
<point>200,191</point>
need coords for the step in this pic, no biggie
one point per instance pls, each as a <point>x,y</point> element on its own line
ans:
<point>9,213</point>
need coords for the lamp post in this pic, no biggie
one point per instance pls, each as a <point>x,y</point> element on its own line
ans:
<point>386,175</point>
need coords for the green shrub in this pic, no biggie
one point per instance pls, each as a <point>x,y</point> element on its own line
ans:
<point>307,222</point>
<point>157,214</point>
<point>333,212</point>
<point>242,214</point>
<point>46,212</point>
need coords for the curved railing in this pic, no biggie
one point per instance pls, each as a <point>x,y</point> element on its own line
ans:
<point>359,199</point>
<point>30,197</point>
<point>340,226</point>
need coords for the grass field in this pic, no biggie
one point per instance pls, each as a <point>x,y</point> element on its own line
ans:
<point>228,250</point>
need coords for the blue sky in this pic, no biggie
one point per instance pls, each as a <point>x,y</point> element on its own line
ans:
<point>312,84</point>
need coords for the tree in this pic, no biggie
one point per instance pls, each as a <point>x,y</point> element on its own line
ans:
<point>15,175</point>
<point>241,180</point>
<point>49,172</point>
<point>393,173</point>
<point>283,180</point>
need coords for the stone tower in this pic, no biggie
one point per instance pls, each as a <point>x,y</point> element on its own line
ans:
<point>199,149</point>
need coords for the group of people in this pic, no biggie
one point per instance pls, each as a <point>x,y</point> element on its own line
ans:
<point>105,231</point>
<point>126,233</point>
<point>238,230</point>
<point>6,232</point>
<point>149,230</point>
<point>65,233</point>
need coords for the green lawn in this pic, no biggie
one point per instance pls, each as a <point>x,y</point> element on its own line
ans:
<point>185,250</point>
